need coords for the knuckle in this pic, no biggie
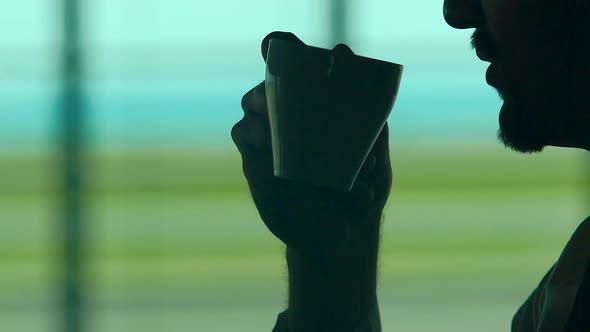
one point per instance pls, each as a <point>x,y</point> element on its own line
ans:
<point>258,169</point>
<point>248,130</point>
<point>251,101</point>
<point>251,133</point>
<point>237,132</point>
<point>245,103</point>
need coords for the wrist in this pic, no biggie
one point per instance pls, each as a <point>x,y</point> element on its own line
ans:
<point>352,255</point>
<point>329,289</point>
<point>312,278</point>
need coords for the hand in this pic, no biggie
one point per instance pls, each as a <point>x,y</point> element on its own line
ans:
<point>303,216</point>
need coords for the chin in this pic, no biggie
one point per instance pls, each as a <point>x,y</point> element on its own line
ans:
<point>519,132</point>
<point>540,112</point>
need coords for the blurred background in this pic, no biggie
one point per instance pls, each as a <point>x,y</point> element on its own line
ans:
<point>122,202</point>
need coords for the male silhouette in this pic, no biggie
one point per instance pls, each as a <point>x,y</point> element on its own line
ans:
<point>537,50</point>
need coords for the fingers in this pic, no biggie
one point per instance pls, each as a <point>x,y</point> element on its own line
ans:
<point>255,100</point>
<point>253,131</point>
<point>252,138</point>
<point>381,149</point>
<point>362,195</point>
<point>382,175</point>
<point>362,192</point>
<point>368,167</point>
<point>278,35</point>
<point>374,179</point>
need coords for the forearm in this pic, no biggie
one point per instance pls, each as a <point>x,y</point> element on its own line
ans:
<point>334,292</point>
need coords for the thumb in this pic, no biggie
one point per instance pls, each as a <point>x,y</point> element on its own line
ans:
<point>278,35</point>
<point>343,49</point>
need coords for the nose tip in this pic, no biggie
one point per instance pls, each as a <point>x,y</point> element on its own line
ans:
<point>463,14</point>
<point>455,20</point>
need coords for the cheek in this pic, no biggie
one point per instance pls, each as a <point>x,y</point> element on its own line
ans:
<point>521,37</point>
<point>507,22</point>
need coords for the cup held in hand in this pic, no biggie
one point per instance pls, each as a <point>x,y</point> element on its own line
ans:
<point>326,109</point>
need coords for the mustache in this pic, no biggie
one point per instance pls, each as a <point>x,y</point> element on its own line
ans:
<point>482,40</point>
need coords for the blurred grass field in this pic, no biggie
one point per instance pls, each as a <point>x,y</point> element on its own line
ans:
<point>175,243</point>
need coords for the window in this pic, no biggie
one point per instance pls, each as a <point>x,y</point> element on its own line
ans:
<point>172,237</point>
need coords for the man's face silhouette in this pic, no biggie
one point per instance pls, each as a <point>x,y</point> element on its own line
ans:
<point>537,50</point>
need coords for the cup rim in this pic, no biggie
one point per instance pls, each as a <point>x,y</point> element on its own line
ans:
<point>327,51</point>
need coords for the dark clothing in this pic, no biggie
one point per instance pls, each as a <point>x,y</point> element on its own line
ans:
<point>528,317</point>
<point>561,302</point>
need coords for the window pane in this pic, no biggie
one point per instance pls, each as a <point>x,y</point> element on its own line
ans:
<point>176,240</point>
<point>170,211</point>
<point>27,181</point>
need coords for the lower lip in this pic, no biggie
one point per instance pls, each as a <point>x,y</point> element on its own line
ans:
<point>492,75</point>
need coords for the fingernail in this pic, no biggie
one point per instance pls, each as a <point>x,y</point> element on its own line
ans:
<point>343,48</point>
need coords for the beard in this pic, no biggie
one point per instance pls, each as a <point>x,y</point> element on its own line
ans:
<point>540,115</point>
<point>516,140</point>
<point>539,100</point>
<point>518,133</point>
<point>558,117</point>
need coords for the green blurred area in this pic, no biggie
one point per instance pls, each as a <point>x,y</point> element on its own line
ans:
<point>174,240</point>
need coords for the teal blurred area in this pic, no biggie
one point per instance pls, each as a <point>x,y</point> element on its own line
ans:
<point>173,239</point>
